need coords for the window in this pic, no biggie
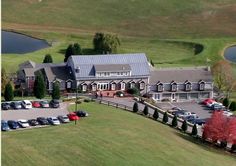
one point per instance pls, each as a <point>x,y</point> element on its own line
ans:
<point>141,85</point>
<point>174,87</point>
<point>132,84</point>
<point>94,87</point>
<point>84,88</point>
<point>201,86</point>
<point>188,86</point>
<point>113,86</point>
<point>122,86</point>
<point>68,85</point>
<point>160,87</point>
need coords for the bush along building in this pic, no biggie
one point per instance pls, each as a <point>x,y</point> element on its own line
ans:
<point>120,72</point>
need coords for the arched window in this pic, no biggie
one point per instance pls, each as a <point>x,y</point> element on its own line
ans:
<point>173,86</point>
<point>201,85</point>
<point>122,86</point>
<point>141,85</point>
<point>188,86</point>
<point>160,87</point>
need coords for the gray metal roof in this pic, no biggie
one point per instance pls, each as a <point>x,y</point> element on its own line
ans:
<point>137,62</point>
<point>58,72</point>
<point>180,75</point>
<point>112,68</point>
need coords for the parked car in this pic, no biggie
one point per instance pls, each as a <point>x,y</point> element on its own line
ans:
<point>26,104</point>
<point>42,121</point>
<point>81,113</point>
<point>5,106</point>
<point>189,118</point>
<point>13,124</point>
<point>207,101</point>
<point>23,123</point>
<point>54,103</point>
<point>33,122</point>
<point>53,121</point>
<point>63,119</point>
<point>227,113</point>
<point>197,121</point>
<point>36,104</point>
<point>217,106</point>
<point>186,114</point>
<point>178,112</point>
<point>44,104</point>
<point>16,104</point>
<point>72,116</point>
<point>4,125</point>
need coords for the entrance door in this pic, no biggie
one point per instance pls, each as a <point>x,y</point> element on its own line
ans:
<point>173,96</point>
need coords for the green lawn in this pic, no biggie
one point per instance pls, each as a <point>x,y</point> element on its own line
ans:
<point>108,136</point>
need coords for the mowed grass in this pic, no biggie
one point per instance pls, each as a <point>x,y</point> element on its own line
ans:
<point>109,136</point>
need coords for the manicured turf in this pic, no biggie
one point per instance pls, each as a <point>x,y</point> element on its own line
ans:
<point>109,136</point>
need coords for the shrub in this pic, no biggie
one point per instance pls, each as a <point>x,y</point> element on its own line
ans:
<point>165,100</point>
<point>223,144</point>
<point>156,114</point>
<point>120,93</point>
<point>174,122</point>
<point>233,148</point>
<point>165,118</point>
<point>135,107</point>
<point>184,126</point>
<point>133,91</point>
<point>232,106</point>
<point>194,130</point>
<point>87,100</point>
<point>78,102</point>
<point>8,94</point>
<point>226,102</point>
<point>145,110</point>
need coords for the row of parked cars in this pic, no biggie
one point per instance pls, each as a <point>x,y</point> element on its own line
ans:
<point>26,104</point>
<point>191,117</point>
<point>22,123</point>
<point>216,106</point>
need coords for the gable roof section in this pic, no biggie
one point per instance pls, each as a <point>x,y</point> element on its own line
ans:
<point>58,72</point>
<point>138,63</point>
<point>180,75</point>
<point>27,64</point>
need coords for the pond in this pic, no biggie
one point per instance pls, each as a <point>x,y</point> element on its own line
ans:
<point>15,43</point>
<point>230,54</point>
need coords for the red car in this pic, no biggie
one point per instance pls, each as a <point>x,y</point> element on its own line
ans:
<point>208,101</point>
<point>72,116</point>
<point>36,104</point>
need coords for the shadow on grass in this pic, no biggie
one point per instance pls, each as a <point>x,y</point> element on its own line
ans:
<point>203,144</point>
<point>62,51</point>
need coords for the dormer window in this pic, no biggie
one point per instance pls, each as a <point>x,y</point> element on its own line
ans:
<point>77,69</point>
<point>188,86</point>
<point>132,84</point>
<point>173,86</point>
<point>201,85</point>
<point>159,87</point>
<point>141,85</point>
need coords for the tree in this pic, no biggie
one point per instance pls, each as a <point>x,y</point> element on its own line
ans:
<point>72,49</point>
<point>135,107</point>
<point>4,79</point>
<point>194,130</point>
<point>56,91</point>
<point>174,122</point>
<point>145,110</point>
<point>232,106</point>
<point>165,118</point>
<point>48,59</point>
<point>8,93</point>
<point>39,86</point>
<point>156,114</point>
<point>105,43</point>
<point>223,76</point>
<point>226,102</point>
<point>184,126</point>
<point>152,63</point>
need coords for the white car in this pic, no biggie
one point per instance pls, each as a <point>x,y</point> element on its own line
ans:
<point>214,103</point>
<point>23,123</point>
<point>227,113</point>
<point>26,104</point>
<point>53,121</point>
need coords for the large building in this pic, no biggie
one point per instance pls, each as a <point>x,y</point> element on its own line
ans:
<point>119,72</point>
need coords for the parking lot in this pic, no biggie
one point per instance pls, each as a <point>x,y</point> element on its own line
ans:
<point>201,110</point>
<point>33,113</point>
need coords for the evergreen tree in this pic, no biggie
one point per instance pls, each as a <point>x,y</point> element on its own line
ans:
<point>135,107</point>
<point>69,52</point>
<point>56,91</point>
<point>184,126</point>
<point>145,110</point>
<point>77,49</point>
<point>174,121</point>
<point>39,86</point>
<point>48,59</point>
<point>232,106</point>
<point>156,114</point>
<point>226,102</point>
<point>4,79</point>
<point>194,130</point>
<point>8,93</point>
<point>152,63</point>
<point>165,118</point>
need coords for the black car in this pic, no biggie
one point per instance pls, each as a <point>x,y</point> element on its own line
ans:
<point>33,122</point>
<point>16,105</point>
<point>5,106</point>
<point>42,121</point>
<point>63,119</point>
<point>179,112</point>
<point>13,124</point>
<point>81,113</point>
<point>197,121</point>
<point>54,103</point>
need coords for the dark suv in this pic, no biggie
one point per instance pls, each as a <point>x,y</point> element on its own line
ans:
<point>54,103</point>
<point>42,121</point>
<point>5,106</point>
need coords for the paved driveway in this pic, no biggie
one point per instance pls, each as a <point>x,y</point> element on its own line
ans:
<point>34,112</point>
